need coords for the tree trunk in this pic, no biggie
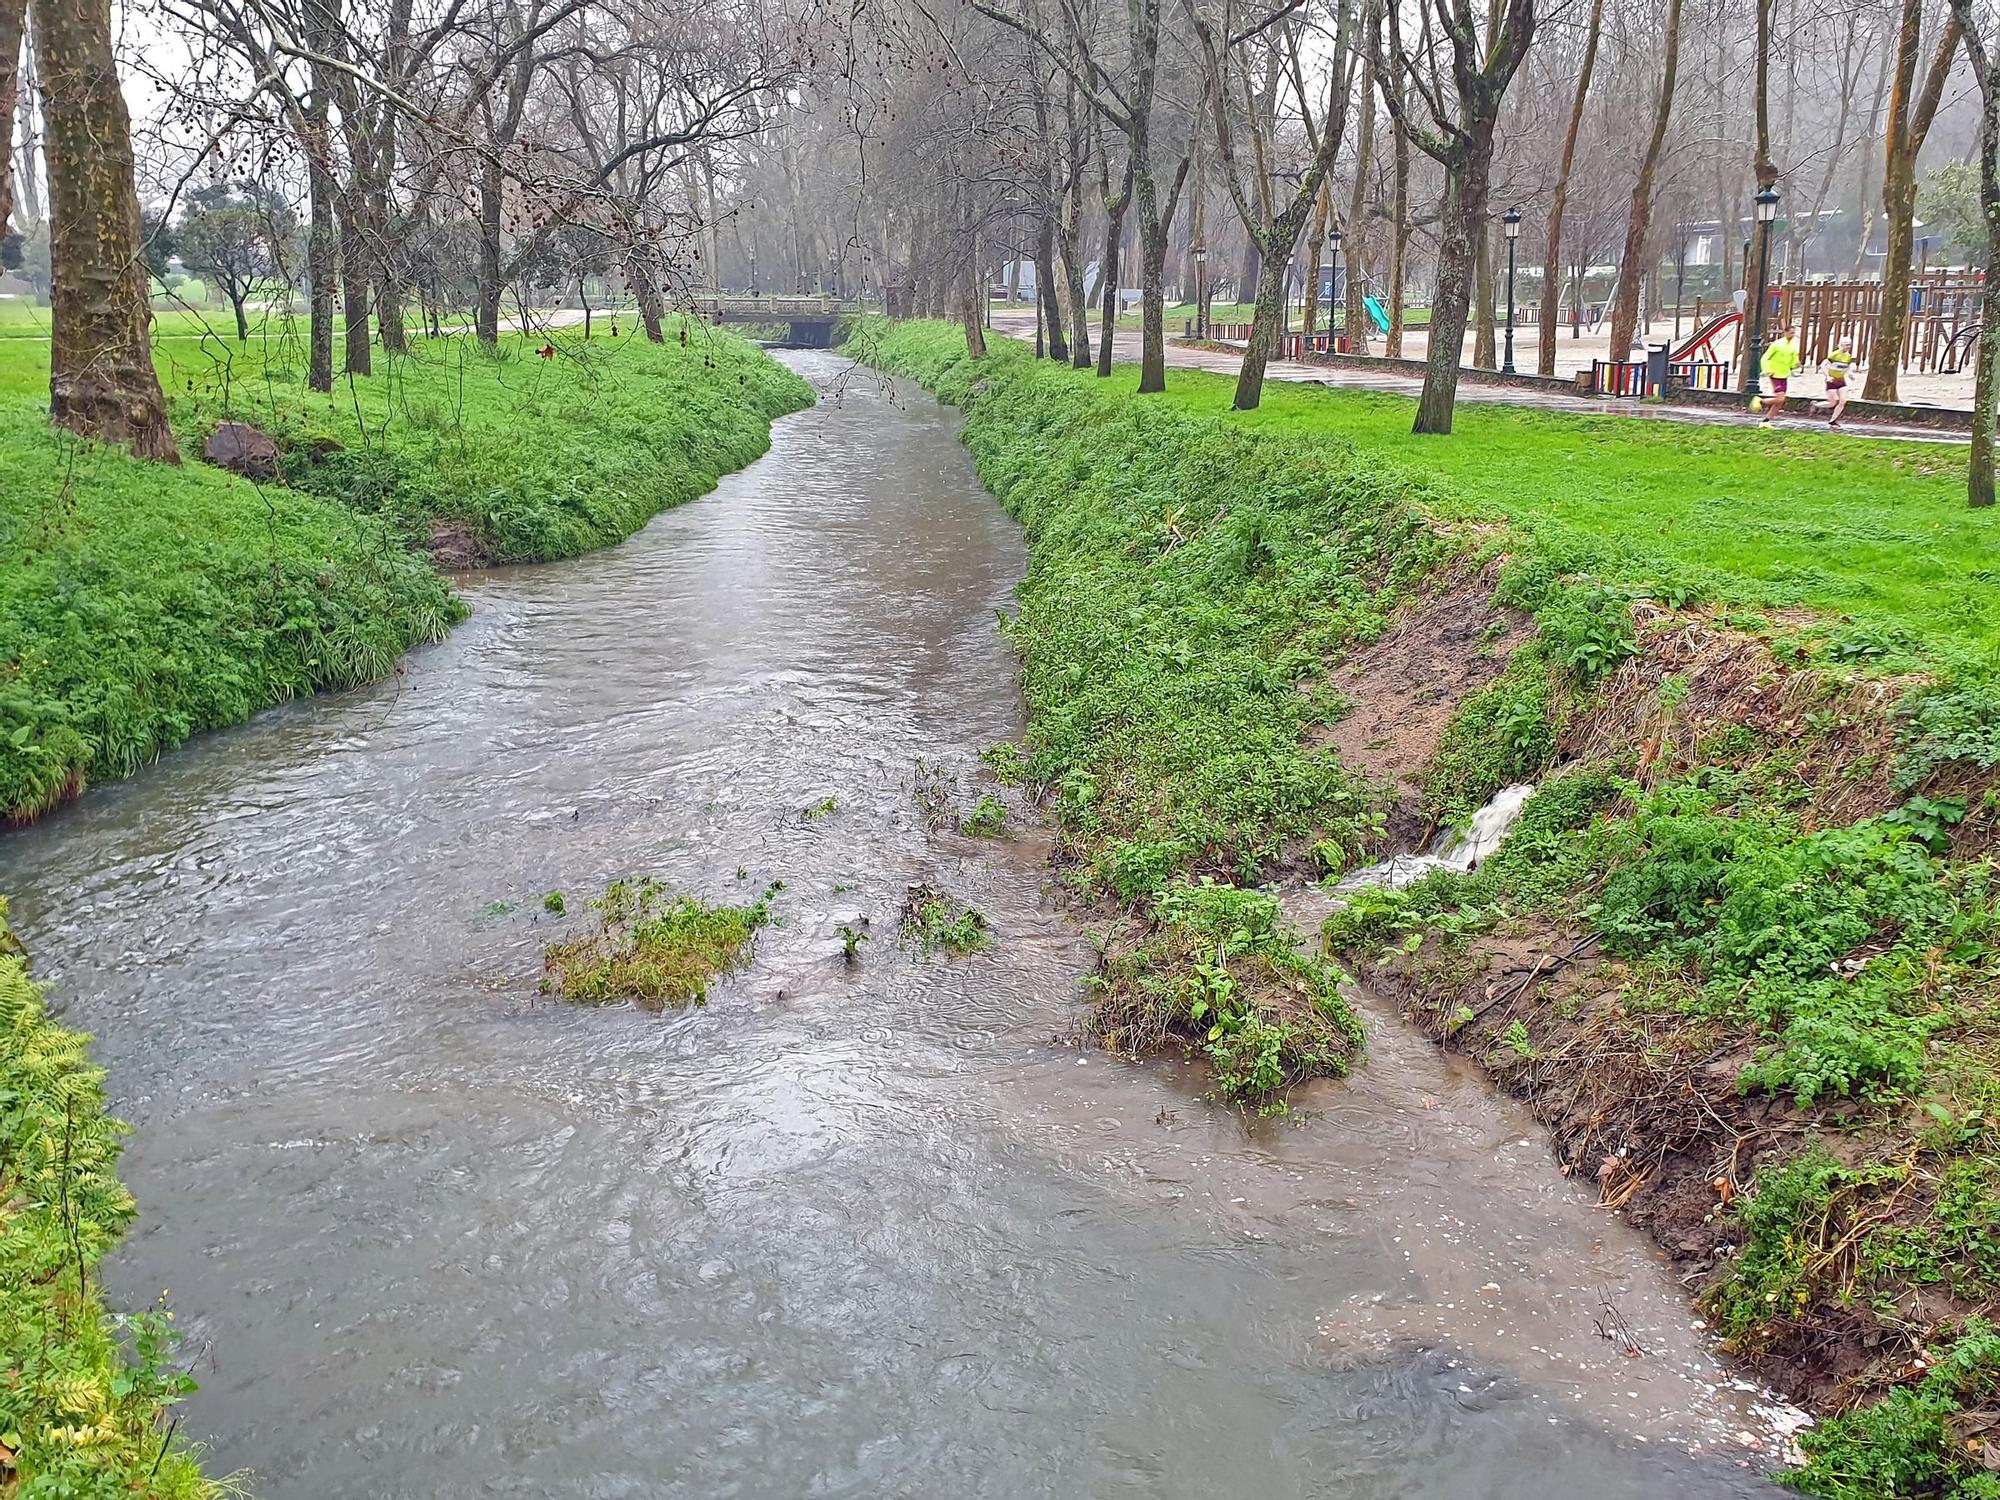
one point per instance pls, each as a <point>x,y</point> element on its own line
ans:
<point>1152,291</point>
<point>1310,321</point>
<point>1639,222</point>
<point>1464,218</point>
<point>1045,293</point>
<point>1107,275</point>
<point>1986,390</point>
<point>1356,316</point>
<point>1484,355</point>
<point>1079,304</point>
<point>1909,122</point>
<point>646,292</point>
<point>1264,325</point>
<point>972,313</point>
<point>13,22</point>
<point>1545,339</point>
<point>321,261</point>
<point>1399,244</point>
<point>101,378</point>
<point>486,316</point>
<point>356,276</point>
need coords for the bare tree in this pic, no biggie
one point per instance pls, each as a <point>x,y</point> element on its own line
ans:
<point>1909,123</point>
<point>1457,133</point>
<point>1545,345</point>
<point>1625,302</point>
<point>1273,227</point>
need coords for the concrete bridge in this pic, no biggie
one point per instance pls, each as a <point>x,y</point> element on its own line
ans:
<point>812,321</point>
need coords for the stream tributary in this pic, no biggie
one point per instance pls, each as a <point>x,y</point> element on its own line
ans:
<point>871,1232</point>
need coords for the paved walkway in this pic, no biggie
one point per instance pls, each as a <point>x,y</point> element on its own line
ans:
<point>1125,348</point>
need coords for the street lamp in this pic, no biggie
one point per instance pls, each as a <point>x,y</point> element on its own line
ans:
<point>1200,290</point>
<point>1767,213</point>
<point>1512,219</point>
<point>753,268</point>
<point>1333,284</point>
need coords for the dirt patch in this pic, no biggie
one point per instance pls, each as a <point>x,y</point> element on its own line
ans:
<point>1406,686</point>
<point>454,547</point>
<point>1694,680</point>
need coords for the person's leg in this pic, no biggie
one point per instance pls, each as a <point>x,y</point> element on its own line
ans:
<point>1837,397</point>
<point>1778,390</point>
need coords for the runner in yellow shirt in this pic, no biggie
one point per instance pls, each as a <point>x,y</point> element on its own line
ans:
<point>1838,364</point>
<point>1780,363</point>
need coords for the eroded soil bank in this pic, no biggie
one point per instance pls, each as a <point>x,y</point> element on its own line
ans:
<point>1738,953</point>
<point>865,1231</point>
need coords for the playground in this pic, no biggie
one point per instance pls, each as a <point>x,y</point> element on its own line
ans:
<point>1707,344</point>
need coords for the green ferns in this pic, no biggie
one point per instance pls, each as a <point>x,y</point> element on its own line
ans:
<point>83,1394</point>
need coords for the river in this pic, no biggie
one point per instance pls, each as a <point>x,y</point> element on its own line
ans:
<point>867,1232</point>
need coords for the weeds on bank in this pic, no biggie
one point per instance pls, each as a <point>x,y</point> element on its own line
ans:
<point>1221,971</point>
<point>85,1396</point>
<point>937,922</point>
<point>653,945</point>
<point>986,820</point>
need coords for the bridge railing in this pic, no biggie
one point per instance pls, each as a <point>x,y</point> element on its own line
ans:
<point>775,308</point>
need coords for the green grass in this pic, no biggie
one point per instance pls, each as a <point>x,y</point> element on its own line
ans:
<point>84,1394</point>
<point>653,946</point>
<point>1872,534</point>
<point>141,604</point>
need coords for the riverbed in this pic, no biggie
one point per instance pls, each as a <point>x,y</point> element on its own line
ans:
<point>870,1230</point>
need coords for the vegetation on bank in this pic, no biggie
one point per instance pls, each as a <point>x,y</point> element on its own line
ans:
<point>84,1394</point>
<point>140,604</point>
<point>524,455</point>
<point>1741,950</point>
<point>654,946</point>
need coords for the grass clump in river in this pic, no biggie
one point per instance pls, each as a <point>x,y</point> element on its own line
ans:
<point>1221,970</point>
<point>986,820</point>
<point>84,1394</point>
<point>653,945</point>
<point>937,922</point>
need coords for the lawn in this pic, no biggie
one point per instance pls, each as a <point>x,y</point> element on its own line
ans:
<point>1872,533</point>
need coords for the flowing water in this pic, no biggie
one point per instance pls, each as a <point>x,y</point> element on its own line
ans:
<point>871,1232</point>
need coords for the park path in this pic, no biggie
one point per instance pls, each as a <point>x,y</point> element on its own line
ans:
<point>1125,347</point>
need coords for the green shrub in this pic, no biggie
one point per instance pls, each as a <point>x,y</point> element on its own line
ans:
<point>1903,1447</point>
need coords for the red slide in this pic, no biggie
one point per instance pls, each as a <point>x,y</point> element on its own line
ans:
<point>1705,337</point>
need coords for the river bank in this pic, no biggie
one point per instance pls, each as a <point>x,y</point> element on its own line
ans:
<point>142,605</point>
<point>1740,950</point>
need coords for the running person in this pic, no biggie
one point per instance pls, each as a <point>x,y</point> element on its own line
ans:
<point>1838,364</point>
<point>1780,363</point>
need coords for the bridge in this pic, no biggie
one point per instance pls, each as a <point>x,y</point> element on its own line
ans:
<point>812,321</point>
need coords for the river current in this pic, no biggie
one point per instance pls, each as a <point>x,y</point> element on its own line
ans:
<point>867,1231</point>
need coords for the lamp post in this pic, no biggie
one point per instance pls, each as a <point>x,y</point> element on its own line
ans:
<point>1332,284</point>
<point>1200,290</point>
<point>1767,213</point>
<point>753,268</point>
<point>1512,219</point>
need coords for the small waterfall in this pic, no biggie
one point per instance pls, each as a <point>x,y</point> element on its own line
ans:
<point>1489,827</point>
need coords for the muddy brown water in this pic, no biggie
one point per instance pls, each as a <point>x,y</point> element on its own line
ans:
<point>839,1233</point>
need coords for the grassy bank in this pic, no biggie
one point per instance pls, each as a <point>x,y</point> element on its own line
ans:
<point>85,1395</point>
<point>1742,951</point>
<point>141,605</point>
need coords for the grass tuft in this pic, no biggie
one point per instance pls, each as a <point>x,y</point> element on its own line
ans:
<point>653,946</point>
